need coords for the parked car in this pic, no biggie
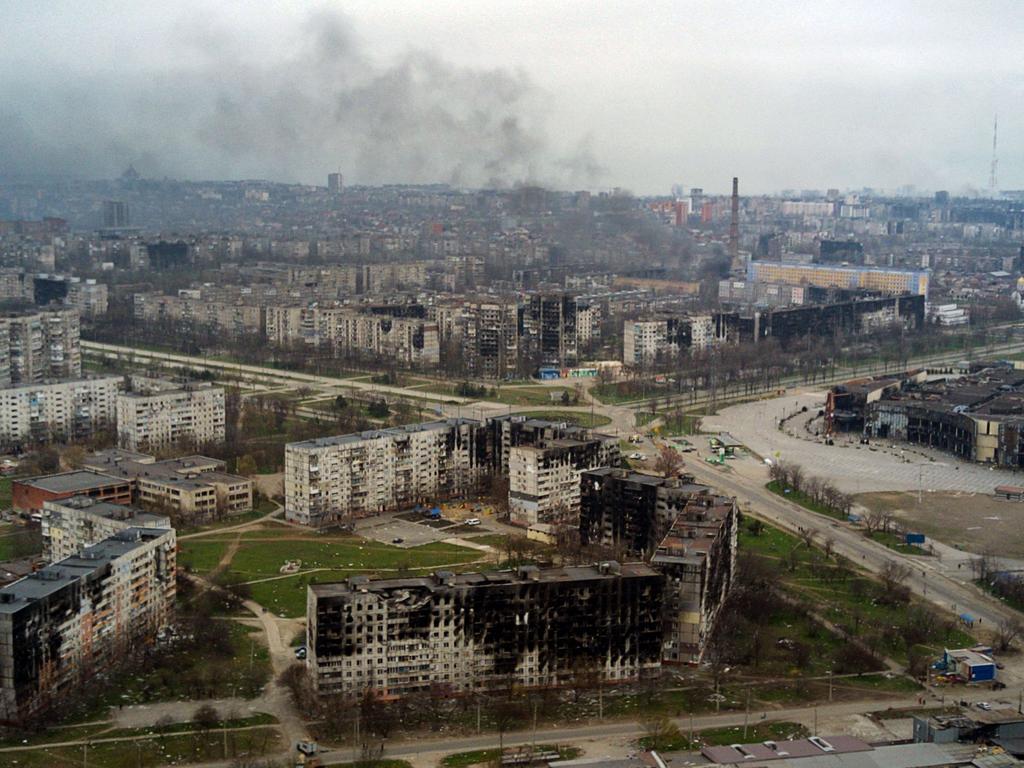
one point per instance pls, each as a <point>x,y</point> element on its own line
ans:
<point>473,521</point>
<point>984,705</point>
<point>636,456</point>
<point>300,653</point>
<point>397,540</point>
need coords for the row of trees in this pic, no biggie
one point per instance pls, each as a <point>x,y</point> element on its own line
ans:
<point>816,489</point>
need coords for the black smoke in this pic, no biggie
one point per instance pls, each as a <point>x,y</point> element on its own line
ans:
<point>325,106</point>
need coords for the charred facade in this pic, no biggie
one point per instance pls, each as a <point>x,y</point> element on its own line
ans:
<point>485,631</point>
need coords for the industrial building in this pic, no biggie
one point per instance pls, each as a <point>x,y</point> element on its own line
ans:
<point>81,616</point>
<point>977,417</point>
<point>484,631</point>
<point>39,413</point>
<point>163,415</point>
<point>31,493</point>
<point>70,525</point>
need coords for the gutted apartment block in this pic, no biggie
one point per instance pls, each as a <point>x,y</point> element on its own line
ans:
<point>482,631</point>
<point>687,531</point>
<point>81,616</point>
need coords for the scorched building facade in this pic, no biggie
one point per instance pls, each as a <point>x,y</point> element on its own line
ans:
<point>480,631</point>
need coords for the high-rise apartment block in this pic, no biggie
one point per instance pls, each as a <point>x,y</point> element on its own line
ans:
<point>660,340</point>
<point>36,346</point>
<point>81,616</point>
<point>161,415</point>
<point>480,631</point>
<point>365,473</point>
<point>888,281</point>
<point>35,414</point>
<point>544,479</point>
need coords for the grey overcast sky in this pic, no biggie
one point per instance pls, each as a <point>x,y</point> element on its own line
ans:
<point>576,94</point>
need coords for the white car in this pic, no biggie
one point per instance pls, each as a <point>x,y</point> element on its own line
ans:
<point>636,456</point>
<point>473,521</point>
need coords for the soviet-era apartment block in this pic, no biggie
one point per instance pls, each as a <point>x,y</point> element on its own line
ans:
<point>689,532</point>
<point>544,479</point>
<point>164,415</point>
<point>69,525</point>
<point>365,473</point>
<point>480,631</point>
<point>82,616</point>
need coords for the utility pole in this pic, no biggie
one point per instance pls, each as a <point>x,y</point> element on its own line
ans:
<point>746,716</point>
<point>691,730</point>
<point>815,721</point>
<point>830,685</point>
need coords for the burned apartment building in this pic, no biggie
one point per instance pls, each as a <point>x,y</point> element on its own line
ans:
<point>82,616</point>
<point>336,478</point>
<point>544,478</point>
<point>978,416</point>
<point>492,630</point>
<point>687,531</point>
<point>479,336</point>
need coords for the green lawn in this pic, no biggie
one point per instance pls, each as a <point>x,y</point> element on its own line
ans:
<point>157,750</point>
<point>805,501</point>
<point>851,600</point>
<point>580,418</point>
<point>5,492</point>
<point>18,540</point>
<point>673,424</point>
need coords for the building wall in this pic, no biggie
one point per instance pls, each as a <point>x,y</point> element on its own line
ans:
<point>70,410</point>
<point>532,629</point>
<point>106,603</point>
<point>38,346</point>
<point>164,419</point>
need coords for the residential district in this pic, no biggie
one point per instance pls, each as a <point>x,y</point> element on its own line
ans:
<point>425,475</point>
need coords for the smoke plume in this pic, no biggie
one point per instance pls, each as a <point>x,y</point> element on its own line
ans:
<point>327,105</point>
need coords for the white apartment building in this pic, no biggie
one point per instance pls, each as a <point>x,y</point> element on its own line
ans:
<point>647,341</point>
<point>642,341</point>
<point>70,525</point>
<point>159,418</point>
<point>36,346</point>
<point>544,480</point>
<point>369,472</point>
<point>33,414</point>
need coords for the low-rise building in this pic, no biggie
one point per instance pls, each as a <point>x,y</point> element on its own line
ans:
<point>196,487</point>
<point>29,494</point>
<point>82,616</point>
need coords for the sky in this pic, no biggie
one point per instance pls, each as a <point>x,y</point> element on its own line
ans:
<point>600,94</point>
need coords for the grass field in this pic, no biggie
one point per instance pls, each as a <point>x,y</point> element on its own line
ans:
<point>261,553</point>
<point>896,542</point>
<point>580,418</point>
<point>850,600</point>
<point>19,541</point>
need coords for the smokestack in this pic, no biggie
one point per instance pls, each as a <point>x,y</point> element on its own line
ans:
<point>734,225</point>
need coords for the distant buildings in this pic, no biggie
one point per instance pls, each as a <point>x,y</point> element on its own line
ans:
<point>160,415</point>
<point>335,183</point>
<point>890,281</point>
<point>116,214</point>
<point>81,616</point>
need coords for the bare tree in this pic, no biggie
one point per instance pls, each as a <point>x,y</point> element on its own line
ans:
<point>669,462</point>
<point>1008,631</point>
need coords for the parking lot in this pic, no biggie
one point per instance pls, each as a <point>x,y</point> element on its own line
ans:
<point>853,468</point>
<point>415,529</point>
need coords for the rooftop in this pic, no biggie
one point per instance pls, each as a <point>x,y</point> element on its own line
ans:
<point>71,482</point>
